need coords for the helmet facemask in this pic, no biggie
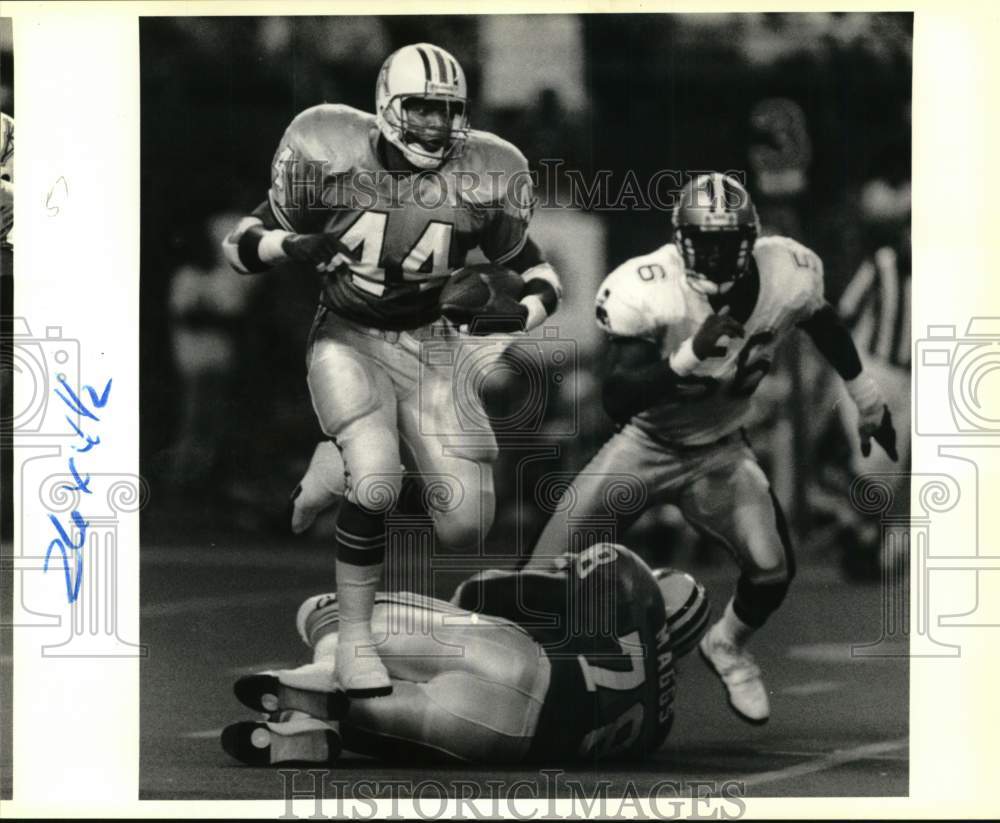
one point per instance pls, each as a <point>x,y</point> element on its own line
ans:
<point>425,146</point>
<point>715,258</point>
<point>715,228</point>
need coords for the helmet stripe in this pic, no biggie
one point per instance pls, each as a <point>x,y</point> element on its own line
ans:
<point>684,638</point>
<point>718,193</point>
<point>442,70</point>
<point>427,65</point>
<point>454,71</point>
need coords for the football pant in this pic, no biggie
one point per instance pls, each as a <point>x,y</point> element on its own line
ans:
<point>719,488</point>
<point>465,686</point>
<point>381,395</point>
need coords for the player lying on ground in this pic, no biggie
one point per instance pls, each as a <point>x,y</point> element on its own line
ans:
<point>572,660</point>
<point>387,206</point>
<point>693,327</point>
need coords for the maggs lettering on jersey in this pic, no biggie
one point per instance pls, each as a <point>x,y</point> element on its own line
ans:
<point>666,681</point>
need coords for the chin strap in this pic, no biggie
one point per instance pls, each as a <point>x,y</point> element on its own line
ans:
<point>709,288</point>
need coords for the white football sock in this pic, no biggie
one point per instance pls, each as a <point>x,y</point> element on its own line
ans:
<point>356,586</point>
<point>732,629</point>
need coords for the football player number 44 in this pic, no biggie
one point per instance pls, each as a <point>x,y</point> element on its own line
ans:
<point>426,261</point>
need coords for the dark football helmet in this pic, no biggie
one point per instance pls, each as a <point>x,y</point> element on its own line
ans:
<point>715,228</point>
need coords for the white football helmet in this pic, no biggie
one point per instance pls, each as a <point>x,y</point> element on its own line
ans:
<point>428,72</point>
<point>687,608</point>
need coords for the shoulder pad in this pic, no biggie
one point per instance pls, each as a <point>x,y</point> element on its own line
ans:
<point>485,152</point>
<point>333,134</point>
<point>642,296</point>
<point>499,173</point>
<point>796,270</point>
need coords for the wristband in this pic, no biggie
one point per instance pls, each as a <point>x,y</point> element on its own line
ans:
<point>543,281</point>
<point>270,250</point>
<point>683,361</point>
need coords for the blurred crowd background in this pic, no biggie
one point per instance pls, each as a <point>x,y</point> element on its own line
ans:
<point>814,110</point>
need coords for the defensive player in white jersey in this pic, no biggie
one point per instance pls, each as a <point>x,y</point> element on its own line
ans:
<point>387,206</point>
<point>693,327</point>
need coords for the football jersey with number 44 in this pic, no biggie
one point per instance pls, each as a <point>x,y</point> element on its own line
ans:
<point>408,231</point>
<point>649,297</point>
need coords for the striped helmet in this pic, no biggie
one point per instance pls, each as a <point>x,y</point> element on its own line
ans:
<point>430,73</point>
<point>715,228</point>
<point>687,608</point>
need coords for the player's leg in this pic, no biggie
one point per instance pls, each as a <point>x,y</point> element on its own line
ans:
<point>732,502</point>
<point>447,434</point>
<point>324,484</point>
<point>321,488</point>
<point>465,687</point>
<point>609,494</point>
<point>470,687</point>
<point>355,402</point>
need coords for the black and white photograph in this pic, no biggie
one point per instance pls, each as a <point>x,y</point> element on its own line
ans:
<point>450,410</point>
<point>523,403</point>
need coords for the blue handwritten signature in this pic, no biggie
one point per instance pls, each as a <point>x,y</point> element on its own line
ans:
<point>66,545</point>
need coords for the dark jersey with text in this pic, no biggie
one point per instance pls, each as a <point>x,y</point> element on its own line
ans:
<point>408,231</point>
<point>600,617</point>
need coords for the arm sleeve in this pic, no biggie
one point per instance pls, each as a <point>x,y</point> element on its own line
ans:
<point>529,256</point>
<point>638,378</point>
<point>833,340</point>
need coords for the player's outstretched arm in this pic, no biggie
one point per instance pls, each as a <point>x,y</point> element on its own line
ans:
<point>637,378</point>
<point>258,243</point>
<point>834,342</point>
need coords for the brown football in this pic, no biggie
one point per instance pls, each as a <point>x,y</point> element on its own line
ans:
<point>465,295</point>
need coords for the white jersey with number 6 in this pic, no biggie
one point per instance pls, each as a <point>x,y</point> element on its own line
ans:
<point>648,297</point>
